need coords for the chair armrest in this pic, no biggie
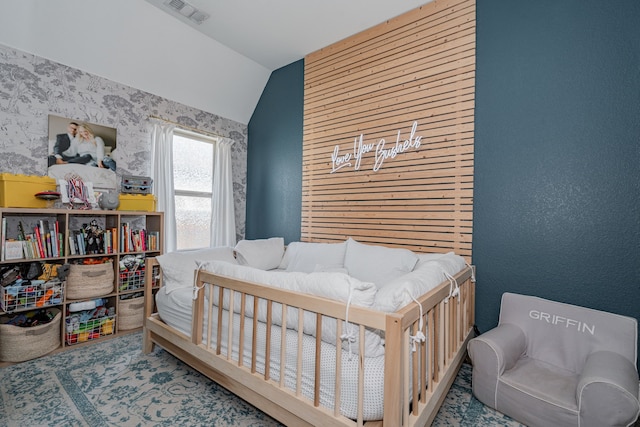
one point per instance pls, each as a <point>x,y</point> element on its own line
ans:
<point>492,353</point>
<point>505,343</point>
<point>607,392</point>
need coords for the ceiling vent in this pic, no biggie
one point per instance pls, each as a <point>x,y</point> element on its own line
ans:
<point>187,10</point>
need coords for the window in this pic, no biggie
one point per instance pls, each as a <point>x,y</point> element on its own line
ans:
<point>193,183</point>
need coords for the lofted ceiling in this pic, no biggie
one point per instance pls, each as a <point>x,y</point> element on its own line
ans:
<point>275,33</point>
<point>220,66</point>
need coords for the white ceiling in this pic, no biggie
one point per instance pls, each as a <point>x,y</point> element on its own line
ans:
<point>139,44</point>
<point>275,33</point>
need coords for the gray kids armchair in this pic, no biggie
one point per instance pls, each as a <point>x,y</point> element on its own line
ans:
<point>554,364</point>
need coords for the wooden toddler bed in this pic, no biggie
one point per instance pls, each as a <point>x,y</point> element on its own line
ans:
<point>306,359</point>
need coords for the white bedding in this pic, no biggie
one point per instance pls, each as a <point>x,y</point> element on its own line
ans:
<point>175,310</point>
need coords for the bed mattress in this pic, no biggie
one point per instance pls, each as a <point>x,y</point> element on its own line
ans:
<point>175,310</point>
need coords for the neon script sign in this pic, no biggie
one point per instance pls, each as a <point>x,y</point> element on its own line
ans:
<point>382,151</point>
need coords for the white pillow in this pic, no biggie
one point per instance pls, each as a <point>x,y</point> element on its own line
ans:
<point>428,274</point>
<point>310,257</point>
<point>377,264</point>
<point>264,254</point>
<point>178,268</point>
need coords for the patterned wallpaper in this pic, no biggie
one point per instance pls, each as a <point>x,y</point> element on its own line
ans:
<point>32,87</point>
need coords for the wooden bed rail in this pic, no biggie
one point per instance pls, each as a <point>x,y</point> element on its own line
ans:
<point>415,382</point>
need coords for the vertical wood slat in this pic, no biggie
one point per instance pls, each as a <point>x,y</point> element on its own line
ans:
<point>360,419</point>
<point>300,352</point>
<point>431,327</point>
<point>317,374</point>
<point>254,338</point>
<point>267,350</point>
<point>232,295</point>
<point>210,319</point>
<point>283,344</point>
<point>416,373</point>
<point>377,84</point>
<point>219,325</point>
<point>338,379</point>
<point>243,301</point>
<point>424,370</point>
<point>406,375</point>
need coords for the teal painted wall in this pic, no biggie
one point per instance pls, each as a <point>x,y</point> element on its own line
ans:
<point>557,155</point>
<point>274,157</point>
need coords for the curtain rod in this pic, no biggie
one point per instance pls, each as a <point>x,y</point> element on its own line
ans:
<point>204,132</point>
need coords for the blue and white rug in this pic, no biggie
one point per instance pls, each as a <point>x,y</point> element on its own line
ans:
<point>112,383</point>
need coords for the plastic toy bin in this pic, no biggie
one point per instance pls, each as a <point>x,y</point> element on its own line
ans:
<point>18,191</point>
<point>137,202</point>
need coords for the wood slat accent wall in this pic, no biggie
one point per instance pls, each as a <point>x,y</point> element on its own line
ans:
<point>416,71</point>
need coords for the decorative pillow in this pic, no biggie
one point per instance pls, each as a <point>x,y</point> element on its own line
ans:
<point>310,257</point>
<point>264,254</point>
<point>377,264</point>
<point>428,274</point>
<point>178,268</point>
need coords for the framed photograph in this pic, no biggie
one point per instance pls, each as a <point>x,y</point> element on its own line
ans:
<point>84,150</point>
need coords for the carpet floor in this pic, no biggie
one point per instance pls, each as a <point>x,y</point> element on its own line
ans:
<point>112,383</point>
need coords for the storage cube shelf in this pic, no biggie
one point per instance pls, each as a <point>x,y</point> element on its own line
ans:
<point>133,236</point>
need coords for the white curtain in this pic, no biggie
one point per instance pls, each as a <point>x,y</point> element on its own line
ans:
<point>162,174</point>
<point>223,222</point>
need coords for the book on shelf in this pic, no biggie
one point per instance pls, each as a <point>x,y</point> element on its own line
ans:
<point>137,240</point>
<point>38,237</point>
<point>72,244</point>
<point>13,249</point>
<point>80,241</point>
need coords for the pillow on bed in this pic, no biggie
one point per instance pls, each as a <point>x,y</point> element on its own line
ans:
<point>333,285</point>
<point>308,257</point>
<point>377,264</point>
<point>264,254</point>
<point>178,268</point>
<point>428,273</point>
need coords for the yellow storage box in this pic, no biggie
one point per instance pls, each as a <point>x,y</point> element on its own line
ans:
<point>137,202</point>
<point>18,191</point>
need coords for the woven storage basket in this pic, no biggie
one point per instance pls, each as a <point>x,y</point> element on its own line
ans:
<point>89,281</point>
<point>130,313</point>
<point>18,344</point>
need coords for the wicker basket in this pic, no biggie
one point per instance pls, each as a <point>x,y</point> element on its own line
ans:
<point>18,344</point>
<point>89,281</point>
<point>130,313</point>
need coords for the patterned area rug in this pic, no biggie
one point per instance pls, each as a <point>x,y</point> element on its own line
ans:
<point>112,383</point>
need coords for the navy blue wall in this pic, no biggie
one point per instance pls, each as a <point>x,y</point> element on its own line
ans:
<point>274,157</point>
<point>557,154</point>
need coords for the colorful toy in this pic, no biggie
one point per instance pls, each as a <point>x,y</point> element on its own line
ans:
<point>43,299</point>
